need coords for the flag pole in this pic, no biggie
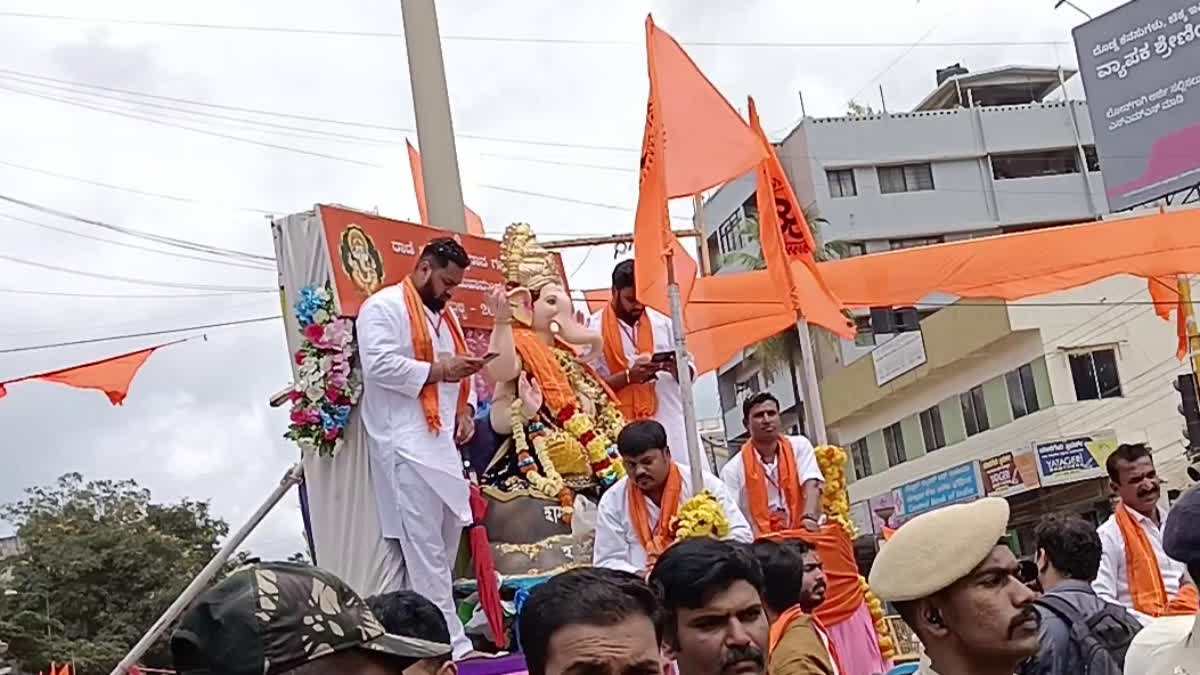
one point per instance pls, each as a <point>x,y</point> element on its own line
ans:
<point>684,370</point>
<point>812,392</point>
<point>292,478</point>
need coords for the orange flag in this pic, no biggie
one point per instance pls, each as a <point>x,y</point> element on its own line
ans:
<point>784,236</point>
<point>111,376</point>
<point>474,222</point>
<point>709,144</point>
<point>1164,291</point>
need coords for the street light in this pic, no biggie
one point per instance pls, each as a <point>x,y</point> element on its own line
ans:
<point>1073,6</point>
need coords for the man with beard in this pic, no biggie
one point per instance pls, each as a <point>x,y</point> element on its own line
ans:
<point>633,521</point>
<point>1135,572</point>
<point>715,620</point>
<point>417,404</point>
<point>795,587</point>
<point>646,387</point>
<point>953,580</point>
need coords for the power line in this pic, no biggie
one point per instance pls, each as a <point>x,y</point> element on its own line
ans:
<point>517,40</point>
<point>130,296</point>
<point>157,238</point>
<point>603,205</point>
<point>230,263</point>
<point>123,188</point>
<point>133,280</point>
<point>72,343</point>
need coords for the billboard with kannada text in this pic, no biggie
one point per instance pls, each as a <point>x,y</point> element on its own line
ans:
<point>1140,65</point>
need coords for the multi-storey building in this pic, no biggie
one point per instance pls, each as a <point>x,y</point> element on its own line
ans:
<point>984,153</point>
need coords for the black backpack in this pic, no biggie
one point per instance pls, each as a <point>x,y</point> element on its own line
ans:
<point>1098,641</point>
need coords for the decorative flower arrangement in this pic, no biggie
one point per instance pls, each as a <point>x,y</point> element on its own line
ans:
<point>550,482</point>
<point>835,502</point>
<point>329,382</point>
<point>700,516</point>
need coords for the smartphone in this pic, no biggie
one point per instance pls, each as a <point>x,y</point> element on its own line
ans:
<point>490,356</point>
<point>662,357</point>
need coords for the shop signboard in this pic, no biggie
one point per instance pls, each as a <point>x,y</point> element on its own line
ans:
<point>897,356</point>
<point>887,510</point>
<point>1009,473</point>
<point>860,515</point>
<point>1075,458</point>
<point>952,486</point>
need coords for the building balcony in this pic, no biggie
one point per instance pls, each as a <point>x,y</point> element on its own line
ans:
<point>948,336</point>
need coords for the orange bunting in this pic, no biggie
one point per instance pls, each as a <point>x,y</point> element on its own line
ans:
<point>474,222</point>
<point>1164,291</point>
<point>112,376</point>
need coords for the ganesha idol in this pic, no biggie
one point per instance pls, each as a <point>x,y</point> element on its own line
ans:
<point>557,416</point>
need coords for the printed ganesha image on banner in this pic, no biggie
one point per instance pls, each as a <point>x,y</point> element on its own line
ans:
<point>368,252</point>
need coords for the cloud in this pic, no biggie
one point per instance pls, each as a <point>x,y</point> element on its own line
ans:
<point>196,423</point>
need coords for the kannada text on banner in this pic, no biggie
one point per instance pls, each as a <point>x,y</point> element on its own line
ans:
<point>369,252</point>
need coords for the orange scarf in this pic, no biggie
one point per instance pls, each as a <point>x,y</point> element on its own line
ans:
<point>423,351</point>
<point>637,401</point>
<point>785,621</point>
<point>1145,580</point>
<point>756,488</point>
<point>655,540</point>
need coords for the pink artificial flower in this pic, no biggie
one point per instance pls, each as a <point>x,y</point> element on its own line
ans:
<point>332,434</point>
<point>295,395</point>
<point>298,416</point>
<point>338,380</point>
<point>315,333</point>
<point>299,357</point>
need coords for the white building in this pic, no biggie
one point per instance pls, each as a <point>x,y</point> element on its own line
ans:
<point>929,415</point>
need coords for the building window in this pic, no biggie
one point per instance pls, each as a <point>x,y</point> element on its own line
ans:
<point>1093,160</point>
<point>1022,396</point>
<point>974,410</point>
<point>729,233</point>
<point>841,183</point>
<point>1095,374</point>
<point>931,429</point>
<point>854,248</point>
<point>914,242</point>
<point>864,336</point>
<point>1034,164</point>
<point>905,178</point>
<point>861,456</point>
<point>893,441</point>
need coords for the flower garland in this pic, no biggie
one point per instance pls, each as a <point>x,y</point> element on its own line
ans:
<point>835,502</point>
<point>598,436</point>
<point>549,484</point>
<point>700,516</point>
<point>328,382</point>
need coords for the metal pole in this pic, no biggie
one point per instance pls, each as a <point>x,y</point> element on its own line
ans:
<point>684,369</point>
<point>431,105</point>
<point>1083,170</point>
<point>812,394</point>
<point>293,477</point>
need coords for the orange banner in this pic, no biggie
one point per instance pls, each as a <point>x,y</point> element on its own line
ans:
<point>368,252</point>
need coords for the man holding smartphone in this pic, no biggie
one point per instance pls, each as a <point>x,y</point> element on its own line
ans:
<point>638,361</point>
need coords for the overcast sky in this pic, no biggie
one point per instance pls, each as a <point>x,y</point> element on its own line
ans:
<point>196,422</point>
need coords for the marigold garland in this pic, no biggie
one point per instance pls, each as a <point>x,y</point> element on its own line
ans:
<point>549,483</point>
<point>835,502</point>
<point>700,516</point>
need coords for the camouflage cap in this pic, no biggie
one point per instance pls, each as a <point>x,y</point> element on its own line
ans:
<point>272,617</point>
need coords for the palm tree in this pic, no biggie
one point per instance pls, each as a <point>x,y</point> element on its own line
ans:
<point>778,352</point>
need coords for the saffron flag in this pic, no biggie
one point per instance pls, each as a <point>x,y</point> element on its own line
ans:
<point>784,236</point>
<point>474,222</point>
<point>1163,292</point>
<point>709,144</point>
<point>111,376</point>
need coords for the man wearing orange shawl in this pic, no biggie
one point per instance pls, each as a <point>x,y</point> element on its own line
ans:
<point>795,587</point>
<point>646,389</point>
<point>633,521</point>
<point>1135,572</point>
<point>417,402</point>
<point>775,478</point>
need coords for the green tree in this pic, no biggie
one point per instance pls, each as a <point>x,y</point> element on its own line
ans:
<point>778,352</point>
<point>101,562</point>
<point>856,109</point>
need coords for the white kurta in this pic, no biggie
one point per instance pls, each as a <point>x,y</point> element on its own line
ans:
<point>417,475</point>
<point>1112,581</point>
<point>617,545</point>
<point>1165,644</point>
<point>733,474</point>
<point>666,387</point>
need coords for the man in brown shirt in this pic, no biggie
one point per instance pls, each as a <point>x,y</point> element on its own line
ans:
<point>795,586</point>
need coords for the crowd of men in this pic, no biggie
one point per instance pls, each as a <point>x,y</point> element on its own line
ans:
<point>1104,599</point>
